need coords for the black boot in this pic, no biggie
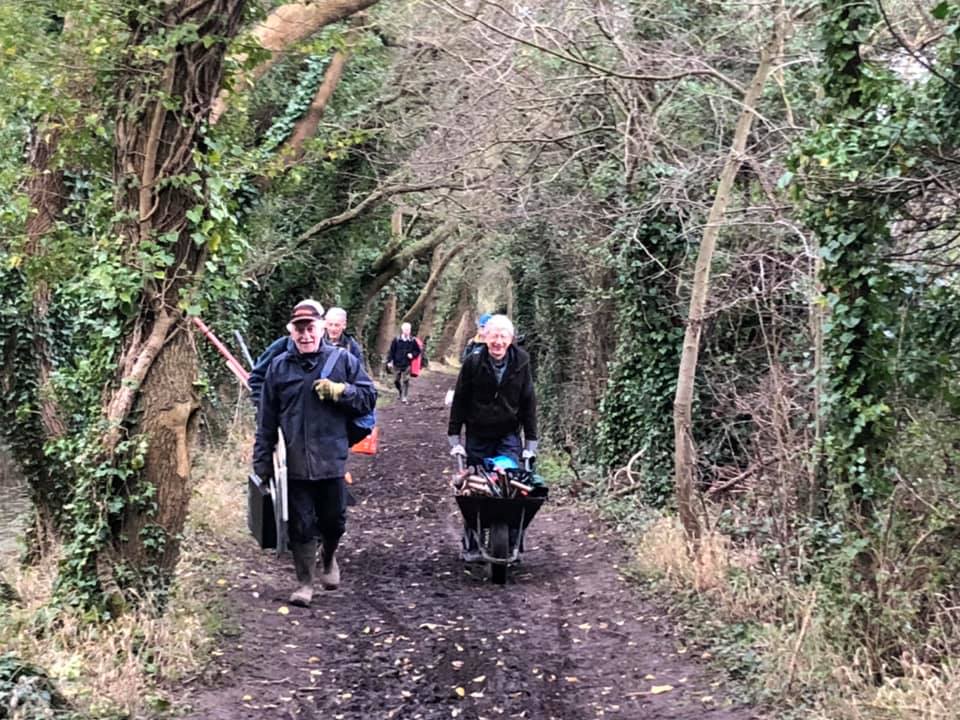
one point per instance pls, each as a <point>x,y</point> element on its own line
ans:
<point>471,549</point>
<point>330,570</point>
<point>304,562</point>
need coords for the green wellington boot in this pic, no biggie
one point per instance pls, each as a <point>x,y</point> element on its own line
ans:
<point>304,561</point>
<point>330,575</point>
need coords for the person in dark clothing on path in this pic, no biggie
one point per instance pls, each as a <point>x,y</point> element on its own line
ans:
<point>403,349</point>
<point>280,345</point>
<point>313,413</point>
<point>335,322</point>
<point>494,401</point>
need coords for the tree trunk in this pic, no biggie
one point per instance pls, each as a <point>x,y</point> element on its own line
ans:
<point>428,316</point>
<point>685,453</point>
<point>284,27</point>
<point>169,406</point>
<point>450,341</point>
<point>164,105</point>
<point>394,261</point>
<point>46,193</point>
<point>307,125</point>
<point>436,273</point>
<point>386,330</point>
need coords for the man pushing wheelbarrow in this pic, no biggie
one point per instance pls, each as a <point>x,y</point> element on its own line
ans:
<point>494,402</point>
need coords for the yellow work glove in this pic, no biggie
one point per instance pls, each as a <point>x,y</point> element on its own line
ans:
<point>326,389</point>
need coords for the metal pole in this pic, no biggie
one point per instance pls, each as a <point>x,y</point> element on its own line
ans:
<point>243,348</point>
<point>232,363</point>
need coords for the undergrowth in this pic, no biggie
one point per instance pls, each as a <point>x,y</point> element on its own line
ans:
<point>67,666</point>
<point>779,643</point>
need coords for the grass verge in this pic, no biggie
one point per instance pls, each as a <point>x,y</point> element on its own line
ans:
<point>778,642</point>
<point>119,669</point>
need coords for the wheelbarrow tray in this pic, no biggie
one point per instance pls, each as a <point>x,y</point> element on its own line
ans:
<point>485,511</point>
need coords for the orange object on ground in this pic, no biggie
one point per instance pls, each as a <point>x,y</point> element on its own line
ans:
<point>368,446</point>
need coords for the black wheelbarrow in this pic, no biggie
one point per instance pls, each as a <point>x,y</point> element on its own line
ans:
<point>500,523</point>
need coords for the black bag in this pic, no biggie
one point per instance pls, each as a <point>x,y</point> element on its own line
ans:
<point>260,518</point>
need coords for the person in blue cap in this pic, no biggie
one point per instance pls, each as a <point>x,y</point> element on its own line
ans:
<point>476,342</point>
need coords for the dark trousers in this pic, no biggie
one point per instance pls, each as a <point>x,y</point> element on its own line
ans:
<point>401,381</point>
<point>480,448</point>
<point>318,509</point>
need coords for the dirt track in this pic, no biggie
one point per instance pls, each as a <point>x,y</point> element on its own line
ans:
<point>414,633</point>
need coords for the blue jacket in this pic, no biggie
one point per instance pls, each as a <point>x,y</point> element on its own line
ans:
<point>260,367</point>
<point>315,429</point>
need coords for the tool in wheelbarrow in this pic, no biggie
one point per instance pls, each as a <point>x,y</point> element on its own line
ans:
<point>498,500</point>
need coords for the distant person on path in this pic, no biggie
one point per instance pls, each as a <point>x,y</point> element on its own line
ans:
<point>282,344</point>
<point>494,401</point>
<point>335,322</point>
<point>313,413</point>
<point>403,349</point>
<point>477,342</point>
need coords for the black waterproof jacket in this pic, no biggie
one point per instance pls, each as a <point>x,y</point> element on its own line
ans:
<point>491,410</point>
<point>315,430</point>
<point>399,349</point>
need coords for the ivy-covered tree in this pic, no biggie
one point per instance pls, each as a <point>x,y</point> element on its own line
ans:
<point>118,263</point>
<point>635,412</point>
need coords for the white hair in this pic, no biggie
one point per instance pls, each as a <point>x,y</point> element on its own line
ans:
<point>499,321</point>
<point>336,312</point>
<point>406,327</point>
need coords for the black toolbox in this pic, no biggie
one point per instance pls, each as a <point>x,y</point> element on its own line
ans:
<point>260,517</point>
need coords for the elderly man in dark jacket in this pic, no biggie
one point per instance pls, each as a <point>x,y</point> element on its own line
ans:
<point>494,400</point>
<point>313,412</point>
<point>335,322</point>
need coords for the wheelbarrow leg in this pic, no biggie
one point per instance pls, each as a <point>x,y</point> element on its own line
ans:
<point>499,548</point>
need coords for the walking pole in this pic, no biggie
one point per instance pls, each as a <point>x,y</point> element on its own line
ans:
<point>243,348</point>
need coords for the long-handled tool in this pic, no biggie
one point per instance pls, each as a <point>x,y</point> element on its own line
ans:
<point>232,363</point>
<point>278,485</point>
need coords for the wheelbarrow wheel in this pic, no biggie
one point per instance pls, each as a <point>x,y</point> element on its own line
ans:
<point>500,548</point>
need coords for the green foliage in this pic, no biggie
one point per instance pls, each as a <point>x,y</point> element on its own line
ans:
<point>889,333</point>
<point>89,280</point>
<point>852,225</point>
<point>547,314</point>
<point>636,409</point>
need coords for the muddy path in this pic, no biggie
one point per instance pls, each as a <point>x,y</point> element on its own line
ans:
<point>414,633</point>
